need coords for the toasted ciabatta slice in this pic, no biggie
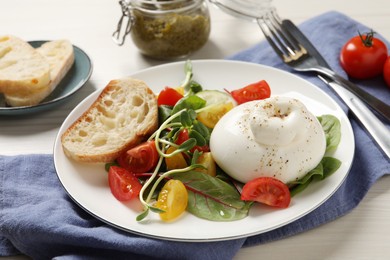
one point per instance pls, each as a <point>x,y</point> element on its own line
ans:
<point>60,56</point>
<point>22,68</point>
<point>124,115</point>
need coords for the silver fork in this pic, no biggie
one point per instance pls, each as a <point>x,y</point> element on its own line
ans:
<point>296,51</point>
<point>295,54</point>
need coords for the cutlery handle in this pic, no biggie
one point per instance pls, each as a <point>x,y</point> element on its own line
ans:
<point>378,130</point>
<point>376,104</point>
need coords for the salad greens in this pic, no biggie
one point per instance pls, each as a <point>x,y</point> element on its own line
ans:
<point>213,198</point>
<point>181,116</point>
<point>331,127</point>
<point>328,165</point>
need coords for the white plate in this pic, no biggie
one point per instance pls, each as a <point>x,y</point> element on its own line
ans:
<point>87,184</point>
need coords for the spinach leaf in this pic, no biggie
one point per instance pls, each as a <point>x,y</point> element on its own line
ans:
<point>318,170</point>
<point>211,198</point>
<point>331,126</point>
<point>328,165</point>
<point>324,169</point>
<point>300,187</point>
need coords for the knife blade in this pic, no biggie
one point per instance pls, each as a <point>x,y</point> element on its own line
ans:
<point>375,127</point>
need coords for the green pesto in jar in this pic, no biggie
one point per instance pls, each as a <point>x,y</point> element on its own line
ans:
<point>171,35</point>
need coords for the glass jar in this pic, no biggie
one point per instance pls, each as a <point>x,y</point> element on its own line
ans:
<point>165,29</point>
<point>248,9</point>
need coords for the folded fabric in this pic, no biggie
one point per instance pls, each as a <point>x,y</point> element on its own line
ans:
<point>38,219</point>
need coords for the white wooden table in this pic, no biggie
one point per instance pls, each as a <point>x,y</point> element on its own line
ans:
<point>362,234</point>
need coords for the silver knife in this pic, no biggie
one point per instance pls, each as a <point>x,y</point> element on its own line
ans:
<point>379,131</point>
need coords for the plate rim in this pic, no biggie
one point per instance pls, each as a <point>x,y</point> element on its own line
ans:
<point>34,108</point>
<point>96,93</point>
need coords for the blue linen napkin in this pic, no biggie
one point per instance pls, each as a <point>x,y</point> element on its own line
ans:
<point>38,219</point>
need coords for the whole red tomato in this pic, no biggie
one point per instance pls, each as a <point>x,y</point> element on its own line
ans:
<point>386,71</point>
<point>363,56</point>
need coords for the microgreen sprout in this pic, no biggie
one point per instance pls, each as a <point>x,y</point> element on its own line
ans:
<point>185,117</point>
<point>190,86</point>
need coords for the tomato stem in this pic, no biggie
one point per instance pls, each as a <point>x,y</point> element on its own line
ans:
<point>368,39</point>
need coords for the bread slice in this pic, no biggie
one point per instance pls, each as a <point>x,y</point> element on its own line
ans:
<point>22,68</point>
<point>60,57</point>
<point>124,115</point>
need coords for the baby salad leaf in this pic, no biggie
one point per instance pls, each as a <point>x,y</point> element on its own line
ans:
<point>187,145</point>
<point>143,214</point>
<point>195,157</point>
<point>164,112</point>
<point>318,170</point>
<point>200,140</point>
<point>201,129</point>
<point>301,184</point>
<point>194,87</point>
<point>190,86</point>
<point>328,165</point>
<point>324,169</point>
<point>185,119</point>
<point>191,102</point>
<point>331,126</point>
<point>211,198</point>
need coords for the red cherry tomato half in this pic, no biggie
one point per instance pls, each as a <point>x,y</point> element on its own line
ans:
<point>386,71</point>
<point>140,159</point>
<point>254,91</point>
<point>363,56</point>
<point>168,96</point>
<point>184,136</point>
<point>267,190</point>
<point>123,184</point>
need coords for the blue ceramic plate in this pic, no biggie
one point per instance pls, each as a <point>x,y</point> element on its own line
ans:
<point>74,80</point>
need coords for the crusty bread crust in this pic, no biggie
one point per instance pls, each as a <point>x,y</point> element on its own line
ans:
<point>22,68</point>
<point>59,55</point>
<point>123,115</point>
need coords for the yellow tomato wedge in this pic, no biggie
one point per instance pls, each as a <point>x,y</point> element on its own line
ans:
<point>177,161</point>
<point>180,90</point>
<point>211,116</point>
<point>173,199</point>
<point>207,160</point>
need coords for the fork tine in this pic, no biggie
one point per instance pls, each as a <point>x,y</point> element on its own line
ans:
<point>284,44</point>
<point>285,34</point>
<point>272,38</point>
